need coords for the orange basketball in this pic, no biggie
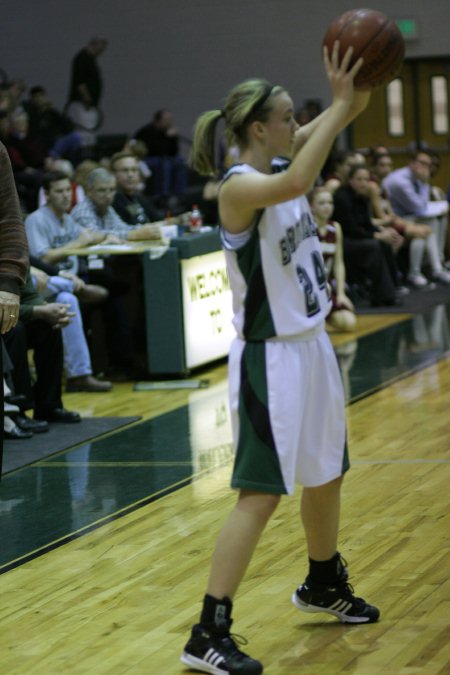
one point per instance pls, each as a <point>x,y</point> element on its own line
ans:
<point>375,38</point>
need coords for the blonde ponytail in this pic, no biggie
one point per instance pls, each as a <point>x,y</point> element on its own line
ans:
<point>248,101</point>
<point>203,152</point>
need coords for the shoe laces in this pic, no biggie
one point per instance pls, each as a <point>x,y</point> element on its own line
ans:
<point>343,561</point>
<point>235,641</point>
<point>349,593</point>
<point>345,585</point>
<point>347,588</point>
<point>239,639</point>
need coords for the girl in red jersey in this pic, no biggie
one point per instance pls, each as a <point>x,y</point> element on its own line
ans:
<point>342,315</point>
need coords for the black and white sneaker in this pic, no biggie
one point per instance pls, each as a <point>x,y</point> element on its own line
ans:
<point>336,600</point>
<point>216,652</point>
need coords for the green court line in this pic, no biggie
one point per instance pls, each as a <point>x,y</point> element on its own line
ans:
<point>58,465</point>
<point>71,536</point>
<point>400,461</point>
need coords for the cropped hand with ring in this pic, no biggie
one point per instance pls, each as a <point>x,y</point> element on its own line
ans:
<point>9,311</point>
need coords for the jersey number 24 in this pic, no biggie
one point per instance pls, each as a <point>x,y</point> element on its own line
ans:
<point>312,303</point>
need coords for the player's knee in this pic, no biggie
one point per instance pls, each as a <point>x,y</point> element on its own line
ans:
<point>258,503</point>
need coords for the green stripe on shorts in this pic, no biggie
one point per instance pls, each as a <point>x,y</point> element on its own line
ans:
<point>256,465</point>
<point>345,458</point>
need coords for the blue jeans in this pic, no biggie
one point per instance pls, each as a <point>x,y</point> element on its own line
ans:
<point>77,360</point>
<point>169,175</point>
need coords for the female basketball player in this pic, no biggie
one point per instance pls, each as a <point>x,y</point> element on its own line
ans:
<point>286,394</point>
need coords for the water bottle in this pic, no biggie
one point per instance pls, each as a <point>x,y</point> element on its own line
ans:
<point>195,219</point>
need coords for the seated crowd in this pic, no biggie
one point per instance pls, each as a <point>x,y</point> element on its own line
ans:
<point>71,199</point>
<point>382,232</point>
<point>394,223</point>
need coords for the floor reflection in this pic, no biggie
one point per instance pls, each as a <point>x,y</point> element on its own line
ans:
<point>371,362</point>
<point>52,501</point>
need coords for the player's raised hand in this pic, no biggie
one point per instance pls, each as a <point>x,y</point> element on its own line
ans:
<point>341,77</point>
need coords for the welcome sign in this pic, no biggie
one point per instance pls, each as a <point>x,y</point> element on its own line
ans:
<point>207,308</point>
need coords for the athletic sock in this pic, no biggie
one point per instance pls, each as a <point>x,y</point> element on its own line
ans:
<point>326,572</point>
<point>216,612</point>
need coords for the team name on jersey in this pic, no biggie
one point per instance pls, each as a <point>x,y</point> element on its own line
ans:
<point>295,234</point>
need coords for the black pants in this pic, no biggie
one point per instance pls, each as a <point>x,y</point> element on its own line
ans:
<point>47,347</point>
<point>118,334</point>
<point>374,261</point>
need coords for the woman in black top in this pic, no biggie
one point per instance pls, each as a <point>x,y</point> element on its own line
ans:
<point>369,251</point>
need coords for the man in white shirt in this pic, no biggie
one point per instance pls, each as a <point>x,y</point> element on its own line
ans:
<point>408,191</point>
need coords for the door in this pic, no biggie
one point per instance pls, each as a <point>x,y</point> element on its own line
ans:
<point>411,111</point>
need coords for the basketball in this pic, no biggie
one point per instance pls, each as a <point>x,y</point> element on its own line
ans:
<point>375,38</point>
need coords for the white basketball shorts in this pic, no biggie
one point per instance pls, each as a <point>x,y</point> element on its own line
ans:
<point>288,414</point>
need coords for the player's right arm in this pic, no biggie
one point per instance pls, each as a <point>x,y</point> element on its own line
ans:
<point>242,195</point>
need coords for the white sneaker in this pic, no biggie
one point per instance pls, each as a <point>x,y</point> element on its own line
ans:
<point>417,280</point>
<point>443,276</point>
<point>10,408</point>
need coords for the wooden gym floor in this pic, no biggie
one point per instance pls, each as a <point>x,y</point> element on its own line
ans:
<point>105,548</point>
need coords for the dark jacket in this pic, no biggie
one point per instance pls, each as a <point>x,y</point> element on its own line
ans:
<point>13,241</point>
<point>352,211</point>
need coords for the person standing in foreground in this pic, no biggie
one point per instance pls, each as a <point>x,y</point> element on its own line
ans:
<point>13,259</point>
<point>281,300</point>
